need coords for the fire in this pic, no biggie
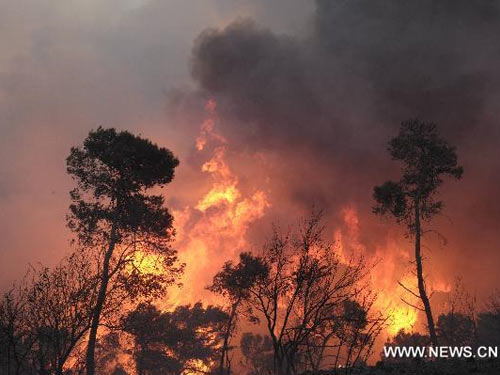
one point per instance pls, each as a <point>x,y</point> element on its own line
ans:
<point>441,286</point>
<point>402,318</point>
<point>214,229</point>
<point>206,128</point>
<point>225,194</point>
<point>147,263</point>
<point>385,275</point>
<point>399,302</point>
<point>196,367</point>
<point>207,132</point>
<point>224,189</point>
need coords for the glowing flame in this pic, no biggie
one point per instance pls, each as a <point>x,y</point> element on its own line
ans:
<point>196,367</point>
<point>393,269</point>
<point>224,189</point>
<point>214,229</point>
<point>147,263</point>
<point>207,132</point>
<point>384,277</point>
<point>402,318</point>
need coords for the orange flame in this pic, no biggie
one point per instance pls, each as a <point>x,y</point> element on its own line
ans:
<point>147,263</point>
<point>214,230</point>
<point>384,276</point>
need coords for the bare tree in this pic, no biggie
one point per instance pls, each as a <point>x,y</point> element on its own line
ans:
<point>16,340</point>
<point>405,339</point>
<point>493,303</point>
<point>458,325</point>
<point>456,329</point>
<point>488,322</point>
<point>306,282</point>
<point>59,304</point>
<point>48,315</point>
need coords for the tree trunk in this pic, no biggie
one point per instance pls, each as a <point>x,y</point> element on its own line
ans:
<point>283,362</point>
<point>420,278</point>
<point>96,316</point>
<point>60,365</point>
<point>227,336</point>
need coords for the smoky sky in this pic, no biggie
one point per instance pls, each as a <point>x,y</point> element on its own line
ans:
<point>67,67</point>
<point>318,88</point>
<point>383,60</point>
<point>330,98</point>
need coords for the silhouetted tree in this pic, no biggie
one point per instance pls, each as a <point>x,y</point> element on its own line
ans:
<point>306,282</point>
<point>493,303</point>
<point>234,282</point>
<point>257,351</point>
<point>58,311</point>
<point>488,328</point>
<point>47,316</point>
<point>187,339</point>
<point>15,338</point>
<point>426,159</point>
<point>488,322</point>
<point>345,337</point>
<point>112,213</point>
<point>406,339</point>
<point>456,329</point>
<point>457,326</point>
<point>113,352</point>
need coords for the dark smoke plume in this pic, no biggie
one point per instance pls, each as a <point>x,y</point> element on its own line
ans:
<point>330,100</point>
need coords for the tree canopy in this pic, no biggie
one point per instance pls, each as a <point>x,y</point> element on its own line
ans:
<point>426,158</point>
<point>112,213</point>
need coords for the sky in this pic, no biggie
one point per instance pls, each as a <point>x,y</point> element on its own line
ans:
<point>307,93</point>
<point>67,67</point>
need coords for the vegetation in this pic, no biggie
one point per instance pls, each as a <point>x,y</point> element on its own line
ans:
<point>235,284</point>
<point>426,159</point>
<point>309,301</point>
<point>44,320</point>
<point>113,215</point>
<point>185,340</point>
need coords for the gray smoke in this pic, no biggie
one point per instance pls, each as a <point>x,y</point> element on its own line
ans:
<point>330,99</point>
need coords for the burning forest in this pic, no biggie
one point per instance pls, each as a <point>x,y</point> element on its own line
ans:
<point>244,188</point>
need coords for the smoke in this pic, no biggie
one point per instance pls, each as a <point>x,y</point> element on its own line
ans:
<point>66,68</point>
<point>306,99</point>
<point>322,105</point>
